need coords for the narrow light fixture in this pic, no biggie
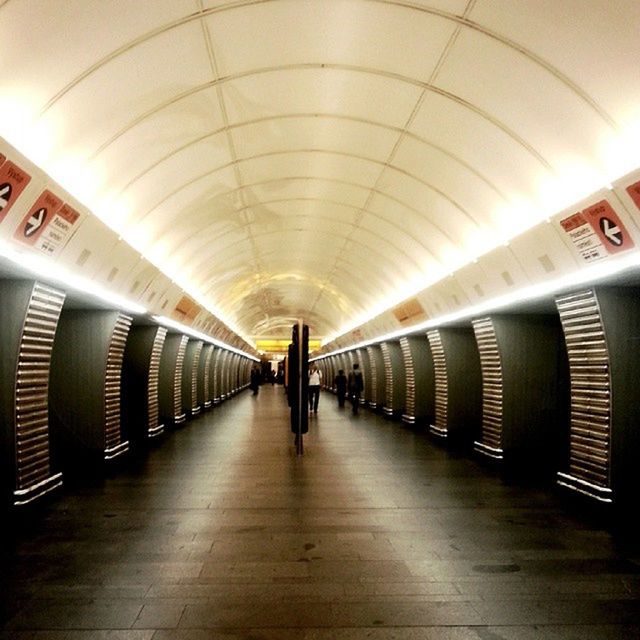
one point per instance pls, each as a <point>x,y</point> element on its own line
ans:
<point>584,276</point>
<point>45,268</point>
<point>178,326</point>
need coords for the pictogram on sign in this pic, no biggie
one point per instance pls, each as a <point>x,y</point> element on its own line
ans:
<point>38,217</point>
<point>609,227</point>
<point>597,232</point>
<point>13,181</point>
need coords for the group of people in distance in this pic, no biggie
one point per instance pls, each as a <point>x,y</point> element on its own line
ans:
<point>353,385</point>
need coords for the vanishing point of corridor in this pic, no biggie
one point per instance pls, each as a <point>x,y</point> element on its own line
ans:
<point>376,532</point>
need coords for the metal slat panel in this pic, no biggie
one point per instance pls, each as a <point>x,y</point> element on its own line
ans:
<point>590,423</point>
<point>410,400</point>
<point>440,428</point>
<point>32,394</point>
<point>206,391</point>
<point>112,389</point>
<point>492,388</point>
<point>153,385</point>
<point>388,379</point>
<point>177,380</point>
<point>374,379</point>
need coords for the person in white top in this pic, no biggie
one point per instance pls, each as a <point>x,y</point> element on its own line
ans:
<point>315,378</point>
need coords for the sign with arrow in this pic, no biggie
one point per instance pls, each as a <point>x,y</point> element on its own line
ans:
<point>38,217</point>
<point>608,226</point>
<point>13,181</point>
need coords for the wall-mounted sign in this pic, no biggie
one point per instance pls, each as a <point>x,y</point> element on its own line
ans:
<point>634,192</point>
<point>58,231</point>
<point>48,224</point>
<point>13,181</point>
<point>597,232</point>
<point>38,217</point>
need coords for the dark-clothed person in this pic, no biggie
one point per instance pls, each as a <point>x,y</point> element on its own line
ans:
<point>255,380</point>
<point>340,383</point>
<point>356,386</point>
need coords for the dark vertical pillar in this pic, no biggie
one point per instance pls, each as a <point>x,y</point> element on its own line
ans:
<point>86,374</point>
<point>29,315</point>
<point>419,380</point>
<point>171,365</point>
<point>522,391</point>
<point>298,389</point>
<point>140,378</point>
<point>362,358</point>
<point>190,404</point>
<point>204,377</point>
<point>458,386</point>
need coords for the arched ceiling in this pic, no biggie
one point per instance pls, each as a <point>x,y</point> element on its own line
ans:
<point>321,158</point>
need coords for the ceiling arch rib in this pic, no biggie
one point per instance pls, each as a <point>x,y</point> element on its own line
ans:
<point>191,242</point>
<point>455,207</point>
<point>399,265</point>
<point>457,19</point>
<point>266,120</point>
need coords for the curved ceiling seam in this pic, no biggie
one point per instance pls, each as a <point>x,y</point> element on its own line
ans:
<point>398,3</point>
<point>328,116</point>
<point>215,73</point>
<point>382,194</point>
<point>383,283</point>
<point>269,154</point>
<point>367,248</point>
<point>364,70</point>
<point>203,231</point>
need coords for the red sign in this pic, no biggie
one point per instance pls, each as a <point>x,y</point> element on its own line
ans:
<point>39,216</point>
<point>13,181</point>
<point>69,214</point>
<point>634,192</point>
<point>609,227</point>
<point>573,222</point>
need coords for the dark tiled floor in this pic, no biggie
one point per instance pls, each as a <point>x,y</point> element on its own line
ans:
<point>376,533</point>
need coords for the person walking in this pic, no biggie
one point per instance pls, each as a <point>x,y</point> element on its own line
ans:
<point>340,383</point>
<point>255,380</point>
<point>356,385</point>
<point>315,378</point>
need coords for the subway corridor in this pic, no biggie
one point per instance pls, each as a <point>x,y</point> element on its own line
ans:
<point>222,532</point>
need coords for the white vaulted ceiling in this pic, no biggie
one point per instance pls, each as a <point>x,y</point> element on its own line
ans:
<point>321,159</point>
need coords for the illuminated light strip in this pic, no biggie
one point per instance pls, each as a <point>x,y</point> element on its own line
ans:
<point>587,275</point>
<point>173,324</point>
<point>43,267</point>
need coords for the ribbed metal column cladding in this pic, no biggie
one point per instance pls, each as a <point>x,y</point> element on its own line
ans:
<point>440,427</point>
<point>590,425</point>
<point>410,400</point>
<point>177,380</point>
<point>32,395</point>
<point>195,407</point>
<point>374,379</point>
<point>388,407</point>
<point>223,363</point>
<point>206,375</point>
<point>213,380</point>
<point>360,354</point>
<point>490,363</point>
<point>153,404</point>
<point>112,386</point>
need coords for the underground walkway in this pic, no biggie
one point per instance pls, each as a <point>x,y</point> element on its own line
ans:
<point>223,533</point>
